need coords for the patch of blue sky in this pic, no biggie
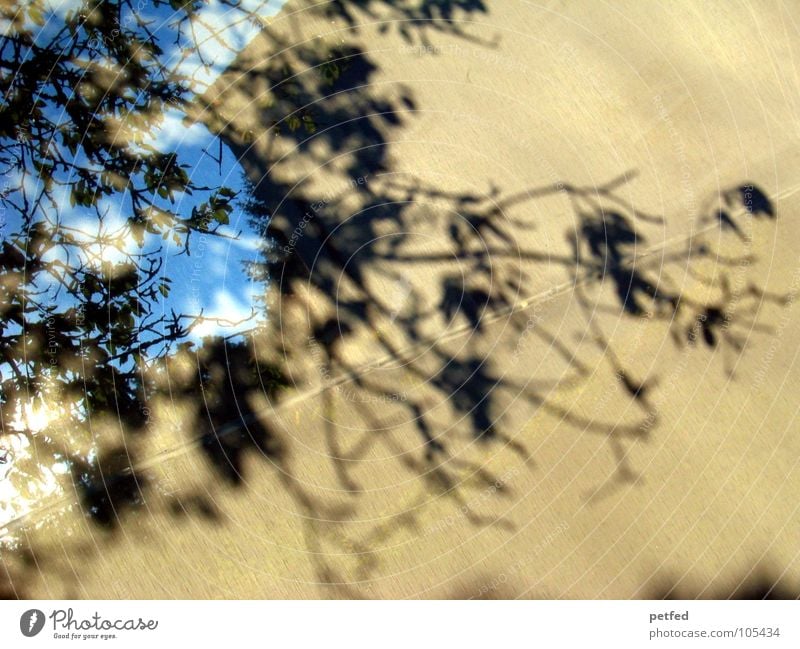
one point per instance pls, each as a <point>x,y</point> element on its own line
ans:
<point>211,279</point>
<point>218,33</point>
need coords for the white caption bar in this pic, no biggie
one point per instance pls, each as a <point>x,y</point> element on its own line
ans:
<point>390,624</point>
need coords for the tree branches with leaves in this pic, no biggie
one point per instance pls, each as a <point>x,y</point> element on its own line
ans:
<point>89,199</point>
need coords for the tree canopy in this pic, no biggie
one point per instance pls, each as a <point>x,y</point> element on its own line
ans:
<point>88,199</point>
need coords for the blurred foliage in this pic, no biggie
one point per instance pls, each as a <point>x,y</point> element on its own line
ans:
<point>87,200</point>
<point>90,204</point>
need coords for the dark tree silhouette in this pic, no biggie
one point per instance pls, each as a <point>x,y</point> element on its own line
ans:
<point>82,97</point>
<point>88,201</point>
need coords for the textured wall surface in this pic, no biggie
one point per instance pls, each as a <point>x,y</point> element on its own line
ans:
<point>534,287</point>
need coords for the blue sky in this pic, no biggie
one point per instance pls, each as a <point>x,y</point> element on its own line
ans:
<point>212,278</point>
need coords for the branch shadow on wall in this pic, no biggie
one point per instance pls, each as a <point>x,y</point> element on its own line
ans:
<point>332,257</point>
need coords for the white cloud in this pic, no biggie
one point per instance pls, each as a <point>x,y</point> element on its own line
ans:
<point>173,131</point>
<point>219,34</point>
<point>229,307</point>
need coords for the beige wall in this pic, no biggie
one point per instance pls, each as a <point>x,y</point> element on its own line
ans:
<point>586,491</point>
